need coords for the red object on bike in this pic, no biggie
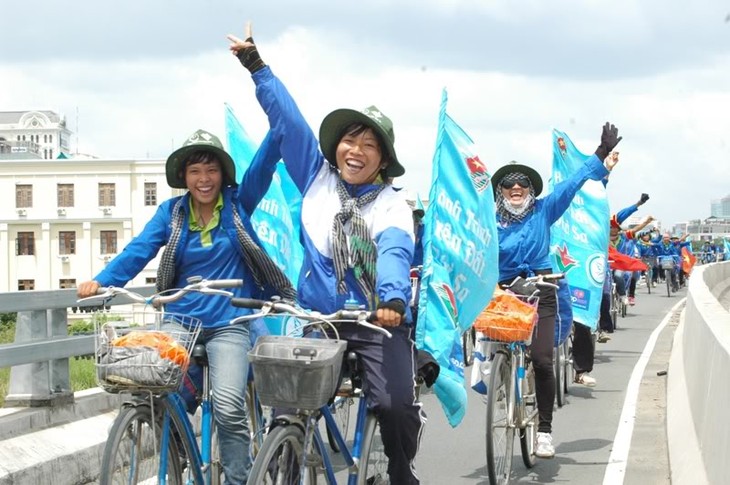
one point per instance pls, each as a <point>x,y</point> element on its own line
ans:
<point>623,262</point>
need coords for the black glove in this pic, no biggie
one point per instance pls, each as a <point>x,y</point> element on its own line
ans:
<point>644,198</point>
<point>250,57</point>
<point>609,140</point>
<point>396,305</point>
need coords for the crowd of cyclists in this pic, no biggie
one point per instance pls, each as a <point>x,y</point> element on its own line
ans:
<point>360,243</point>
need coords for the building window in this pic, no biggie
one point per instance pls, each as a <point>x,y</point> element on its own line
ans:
<point>67,283</point>
<point>108,242</point>
<point>67,242</point>
<point>23,196</point>
<point>150,193</point>
<point>150,280</point>
<point>50,138</point>
<point>26,285</point>
<point>65,195</point>
<point>25,244</point>
<point>107,195</point>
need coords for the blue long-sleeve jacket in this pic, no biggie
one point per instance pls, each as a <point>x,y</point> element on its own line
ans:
<point>524,247</point>
<point>389,218</point>
<point>223,259</point>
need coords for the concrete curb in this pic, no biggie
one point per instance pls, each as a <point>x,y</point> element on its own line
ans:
<point>685,458</point>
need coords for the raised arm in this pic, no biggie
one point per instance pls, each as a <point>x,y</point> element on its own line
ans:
<point>297,143</point>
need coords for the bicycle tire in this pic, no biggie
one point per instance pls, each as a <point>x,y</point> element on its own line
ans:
<point>528,433</point>
<point>135,434</point>
<point>467,346</point>
<point>340,409</point>
<point>624,309</point>
<point>500,411</point>
<point>278,461</point>
<point>649,278</point>
<point>668,279</point>
<point>614,308</point>
<point>256,425</point>
<point>559,365</point>
<point>373,462</point>
<point>569,369</point>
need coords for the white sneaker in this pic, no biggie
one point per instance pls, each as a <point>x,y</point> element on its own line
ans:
<point>585,380</point>
<point>544,448</point>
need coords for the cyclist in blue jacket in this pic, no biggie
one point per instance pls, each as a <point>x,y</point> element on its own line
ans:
<point>524,239</point>
<point>357,232</point>
<point>207,232</point>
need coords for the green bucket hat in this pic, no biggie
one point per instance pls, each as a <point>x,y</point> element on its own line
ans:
<point>514,167</point>
<point>201,140</point>
<point>334,124</point>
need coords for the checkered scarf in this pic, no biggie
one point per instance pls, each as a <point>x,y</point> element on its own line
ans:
<point>262,267</point>
<point>353,247</point>
<point>507,212</point>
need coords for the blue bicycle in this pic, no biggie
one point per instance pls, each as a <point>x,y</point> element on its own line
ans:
<point>153,439</point>
<point>300,376</point>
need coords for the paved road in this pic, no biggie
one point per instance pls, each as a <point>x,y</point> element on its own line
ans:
<point>583,430</point>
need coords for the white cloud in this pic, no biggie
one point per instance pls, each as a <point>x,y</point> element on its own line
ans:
<point>522,73</point>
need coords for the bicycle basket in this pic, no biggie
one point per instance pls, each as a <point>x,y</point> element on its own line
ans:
<point>666,262</point>
<point>508,318</point>
<point>301,373</point>
<point>143,350</point>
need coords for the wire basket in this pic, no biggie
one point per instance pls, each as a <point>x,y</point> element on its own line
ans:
<point>301,373</point>
<point>508,318</point>
<point>144,350</point>
<point>666,262</point>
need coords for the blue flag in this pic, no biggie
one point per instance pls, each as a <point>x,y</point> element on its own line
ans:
<point>461,249</point>
<point>726,244</point>
<point>276,218</point>
<point>579,239</point>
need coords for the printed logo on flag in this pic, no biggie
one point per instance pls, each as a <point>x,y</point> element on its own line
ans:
<point>477,173</point>
<point>580,297</point>
<point>446,294</point>
<point>561,146</point>
<point>563,260</point>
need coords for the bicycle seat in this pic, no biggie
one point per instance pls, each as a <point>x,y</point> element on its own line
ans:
<point>200,355</point>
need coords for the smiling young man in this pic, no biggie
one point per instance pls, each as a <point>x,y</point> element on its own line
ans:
<point>357,232</point>
<point>524,250</point>
<point>207,232</point>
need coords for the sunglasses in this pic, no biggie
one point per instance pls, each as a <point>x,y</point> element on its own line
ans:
<point>523,182</point>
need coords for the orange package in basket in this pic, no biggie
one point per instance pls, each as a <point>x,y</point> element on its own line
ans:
<point>507,318</point>
<point>166,345</point>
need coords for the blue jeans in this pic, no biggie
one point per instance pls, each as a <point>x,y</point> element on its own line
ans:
<point>227,348</point>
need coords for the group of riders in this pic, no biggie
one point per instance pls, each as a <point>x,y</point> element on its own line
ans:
<point>359,244</point>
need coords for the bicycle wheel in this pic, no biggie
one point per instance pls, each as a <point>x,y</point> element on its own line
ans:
<point>132,452</point>
<point>340,409</point>
<point>528,408</point>
<point>467,345</point>
<point>668,279</point>
<point>279,460</point>
<point>649,278</point>
<point>624,309</point>
<point>615,302</point>
<point>255,415</point>
<point>373,462</point>
<point>559,364</point>
<point>500,413</point>
<point>568,364</point>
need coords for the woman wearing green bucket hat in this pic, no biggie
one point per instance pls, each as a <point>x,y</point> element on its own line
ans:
<point>207,232</point>
<point>357,233</point>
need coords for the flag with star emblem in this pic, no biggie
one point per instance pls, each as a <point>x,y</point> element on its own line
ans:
<point>460,258</point>
<point>579,239</point>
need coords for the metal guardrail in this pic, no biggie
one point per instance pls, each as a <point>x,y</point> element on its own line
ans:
<point>39,357</point>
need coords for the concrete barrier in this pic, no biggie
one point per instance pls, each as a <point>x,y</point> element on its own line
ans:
<point>698,428</point>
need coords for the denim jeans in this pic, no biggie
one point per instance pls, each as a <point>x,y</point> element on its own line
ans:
<point>227,349</point>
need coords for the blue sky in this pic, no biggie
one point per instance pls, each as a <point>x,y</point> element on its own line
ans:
<point>144,75</point>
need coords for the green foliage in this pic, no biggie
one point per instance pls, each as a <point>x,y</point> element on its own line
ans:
<point>7,318</point>
<point>81,327</point>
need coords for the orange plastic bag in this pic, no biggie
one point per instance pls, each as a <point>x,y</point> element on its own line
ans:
<point>507,318</point>
<point>164,343</point>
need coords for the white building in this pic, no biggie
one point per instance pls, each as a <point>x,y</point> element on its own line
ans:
<point>61,221</point>
<point>33,134</point>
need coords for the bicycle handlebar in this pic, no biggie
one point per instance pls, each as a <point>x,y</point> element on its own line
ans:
<point>196,284</point>
<point>280,307</point>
